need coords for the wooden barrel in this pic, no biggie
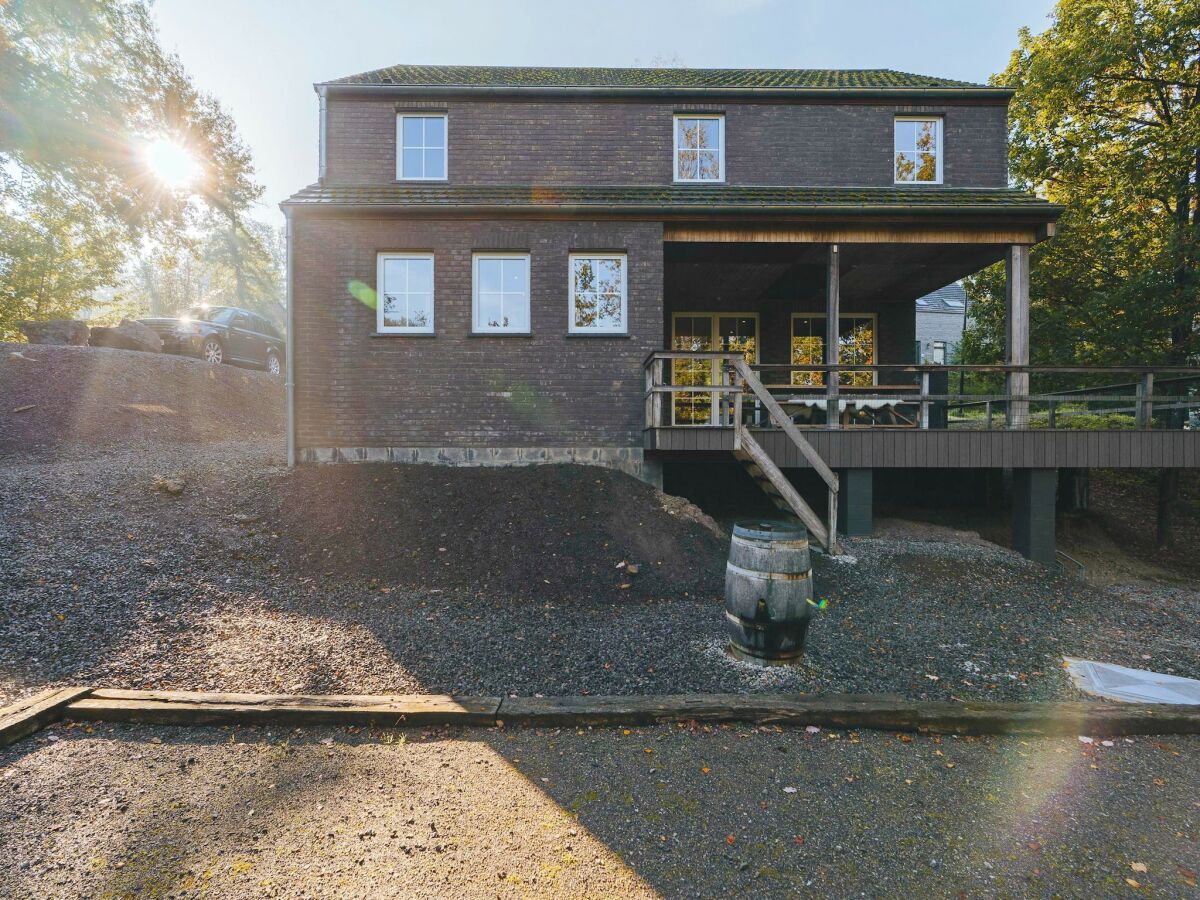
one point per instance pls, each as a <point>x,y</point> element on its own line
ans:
<point>768,583</point>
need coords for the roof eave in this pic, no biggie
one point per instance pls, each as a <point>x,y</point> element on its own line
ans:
<point>1047,212</point>
<point>405,91</point>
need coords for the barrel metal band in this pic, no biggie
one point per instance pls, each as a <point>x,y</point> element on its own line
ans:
<point>764,544</point>
<point>768,576</point>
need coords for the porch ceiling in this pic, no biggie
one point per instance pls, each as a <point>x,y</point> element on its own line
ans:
<point>872,274</point>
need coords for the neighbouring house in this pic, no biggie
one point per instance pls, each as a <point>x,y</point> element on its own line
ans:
<point>941,320</point>
<point>651,267</point>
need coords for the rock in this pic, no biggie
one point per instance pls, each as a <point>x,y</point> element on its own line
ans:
<point>169,484</point>
<point>682,508</point>
<point>127,335</point>
<point>632,569</point>
<point>56,331</point>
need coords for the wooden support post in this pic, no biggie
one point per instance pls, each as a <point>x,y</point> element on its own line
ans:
<point>987,406</point>
<point>833,306</point>
<point>924,401</point>
<point>1016,332</point>
<point>737,411</point>
<point>1051,421</point>
<point>1145,406</point>
<point>656,411</point>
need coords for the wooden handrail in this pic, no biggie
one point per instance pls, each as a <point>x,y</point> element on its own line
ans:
<point>916,368</point>
<point>783,421</point>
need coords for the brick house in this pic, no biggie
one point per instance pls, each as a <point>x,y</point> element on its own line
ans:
<point>639,267</point>
<point>941,320</point>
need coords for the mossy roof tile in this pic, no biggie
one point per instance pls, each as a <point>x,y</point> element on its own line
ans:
<point>666,79</point>
<point>654,198</point>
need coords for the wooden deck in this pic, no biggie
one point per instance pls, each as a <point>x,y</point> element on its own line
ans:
<point>912,448</point>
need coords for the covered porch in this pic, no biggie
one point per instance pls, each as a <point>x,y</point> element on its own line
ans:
<point>796,348</point>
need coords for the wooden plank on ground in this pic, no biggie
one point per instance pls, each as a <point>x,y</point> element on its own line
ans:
<point>1059,718</point>
<point>874,711</point>
<point>838,711</point>
<point>193,708</point>
<point>35,713</point>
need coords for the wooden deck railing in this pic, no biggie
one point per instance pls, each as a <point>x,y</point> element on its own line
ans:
<point>917,396</point>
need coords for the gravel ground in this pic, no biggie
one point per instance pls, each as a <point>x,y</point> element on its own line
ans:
<point>107,582</point>
<point>53,397</point>
<point>125,811</point>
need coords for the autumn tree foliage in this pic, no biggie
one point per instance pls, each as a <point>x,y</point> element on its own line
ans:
<point>1106,121</point>
<point>85,88</point>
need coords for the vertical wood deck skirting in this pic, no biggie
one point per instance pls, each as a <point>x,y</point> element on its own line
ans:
<point>953,449</point>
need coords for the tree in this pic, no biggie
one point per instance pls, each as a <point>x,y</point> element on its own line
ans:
<point>85,91</point>
<point>223,265</point>
<point>53,259</point>
<point>1106,120</point>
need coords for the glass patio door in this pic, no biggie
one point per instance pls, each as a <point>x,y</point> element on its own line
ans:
<point>707,332</point>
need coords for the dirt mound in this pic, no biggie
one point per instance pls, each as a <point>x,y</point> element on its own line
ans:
<point>544,532</point>
<point>57,396</point>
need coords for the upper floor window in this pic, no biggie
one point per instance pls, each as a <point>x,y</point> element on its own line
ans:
<point>918,149</point>
<point>598,304</point>
<point>501,301</point>
<point>700,148</point>
<point>421,146</point>
<point>405,298</point>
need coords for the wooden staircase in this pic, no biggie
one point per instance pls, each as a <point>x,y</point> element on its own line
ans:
<point>762,468</point>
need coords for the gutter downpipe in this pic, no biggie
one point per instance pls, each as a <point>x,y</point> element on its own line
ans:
<point>290,349</point>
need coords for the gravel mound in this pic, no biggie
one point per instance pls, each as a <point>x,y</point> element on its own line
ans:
<point>539,532</point>
<point>55,396</point>
<point>107,581</point>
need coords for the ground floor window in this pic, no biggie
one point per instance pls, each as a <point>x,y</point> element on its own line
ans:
<point>405,284</point>
<point>939,353</point>
<point>856,347</point>
<point>501,296</point>
<point>703,333</point>
<point>598,301</point>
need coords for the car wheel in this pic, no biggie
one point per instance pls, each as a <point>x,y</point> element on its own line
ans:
<point>274,366</point>
<point>213,352</point>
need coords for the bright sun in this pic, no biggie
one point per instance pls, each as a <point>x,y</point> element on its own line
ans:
<point>171,163</point>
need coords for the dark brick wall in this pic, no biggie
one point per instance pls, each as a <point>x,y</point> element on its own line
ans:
<point>453,389</point>
<point>629,142</point>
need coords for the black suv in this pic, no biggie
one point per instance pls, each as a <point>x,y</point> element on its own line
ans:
<point>223,334</point>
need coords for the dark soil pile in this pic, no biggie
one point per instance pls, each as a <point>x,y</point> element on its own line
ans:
<point>54,396</point>
<point>541,532</point>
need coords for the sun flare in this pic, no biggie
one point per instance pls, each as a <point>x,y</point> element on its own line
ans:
<point>171,163</point>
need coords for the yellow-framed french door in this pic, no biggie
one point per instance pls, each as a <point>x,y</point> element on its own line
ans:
<point>856,347</point>
<point>705,332</point>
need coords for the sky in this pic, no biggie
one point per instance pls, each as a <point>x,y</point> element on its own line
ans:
<point>260,58</point>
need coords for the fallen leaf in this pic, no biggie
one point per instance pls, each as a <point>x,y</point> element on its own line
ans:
<point>1085,740</point>
<point>706,770</point>
<point>1137,866</point>
<point>626,732</point>
<point>731,840</point>
<point>649,750</point>
<point>789,790</point>
<point>799,839</point>
<point>1132,883</point>
<point>811,729</point>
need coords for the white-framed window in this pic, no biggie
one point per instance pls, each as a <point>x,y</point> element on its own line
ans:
<point>405,293</point>
<point>939,353</point>
<point>421,142</point>
<point>699,147</point>
<point>597,302</point>
<point>918,150</point>
<point>500,298</point>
